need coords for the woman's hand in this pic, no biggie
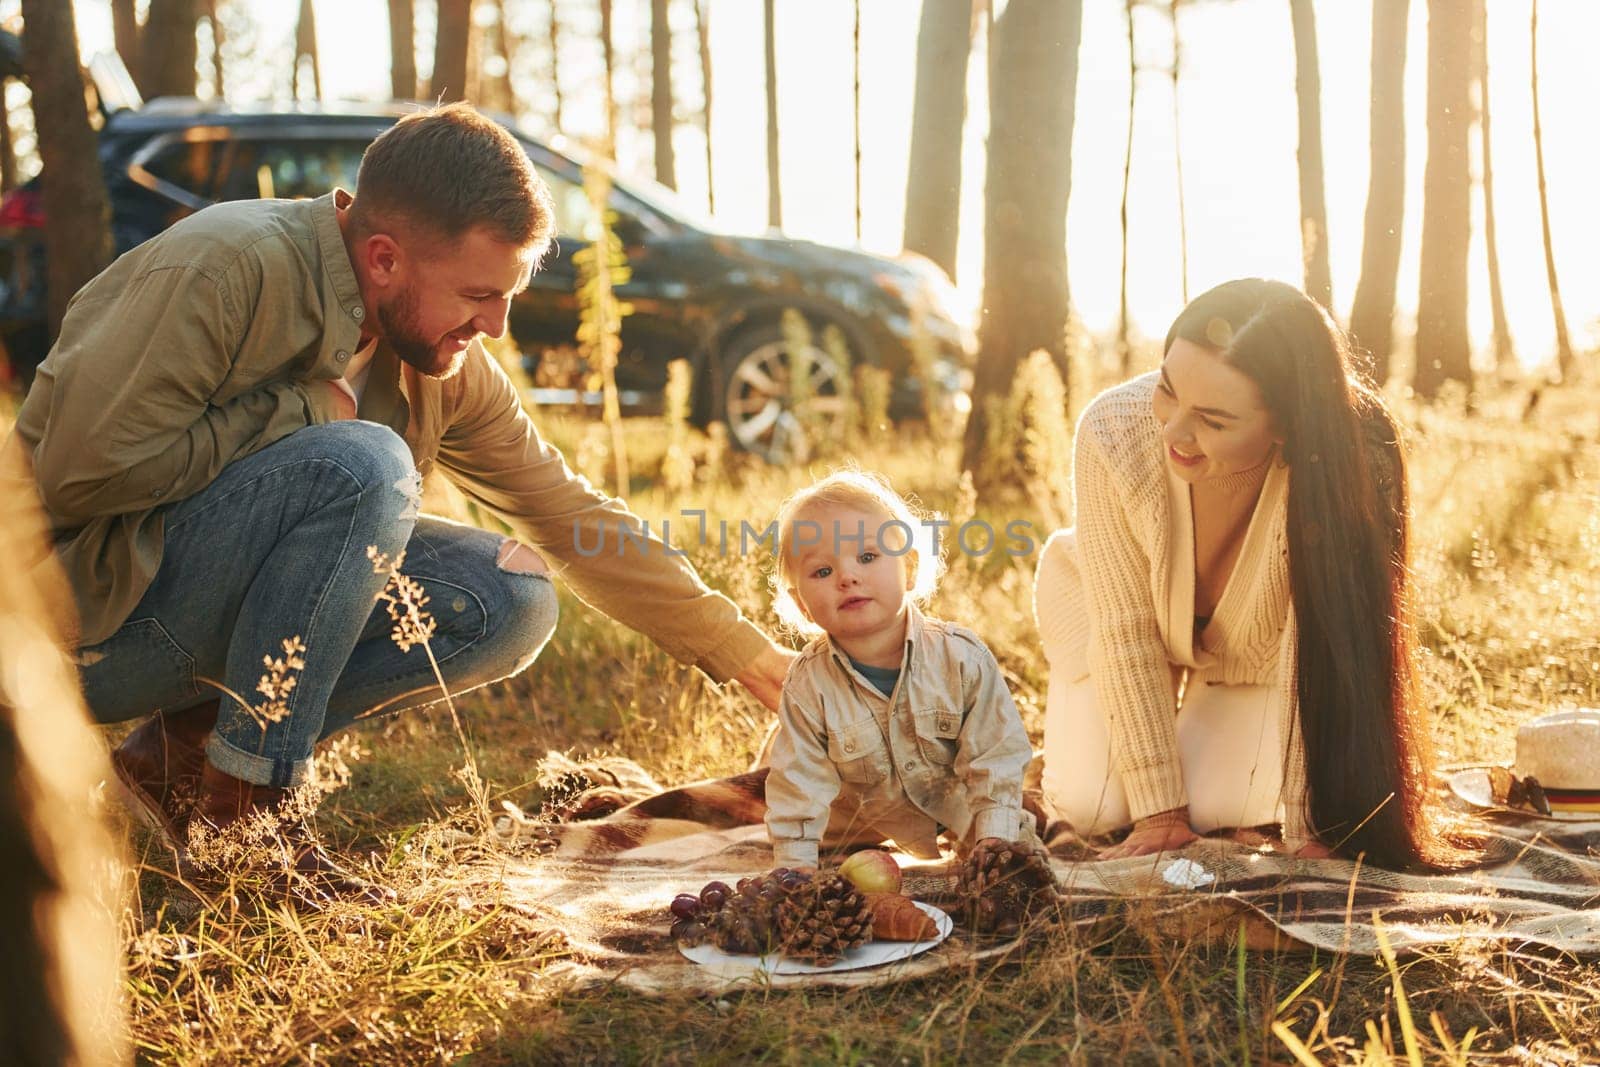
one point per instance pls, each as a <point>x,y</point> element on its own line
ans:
<point>1158,833</point>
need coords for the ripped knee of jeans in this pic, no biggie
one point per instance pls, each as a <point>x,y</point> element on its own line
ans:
<point>410,487</point>
<point>515,557</point>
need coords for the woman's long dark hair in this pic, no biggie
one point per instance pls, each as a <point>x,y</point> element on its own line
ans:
<point>1367,739</point>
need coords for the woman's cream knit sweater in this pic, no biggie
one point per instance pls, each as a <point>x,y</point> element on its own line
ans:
<point>1130,620</point>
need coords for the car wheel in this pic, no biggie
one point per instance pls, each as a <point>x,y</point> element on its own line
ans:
<point>759,395</point>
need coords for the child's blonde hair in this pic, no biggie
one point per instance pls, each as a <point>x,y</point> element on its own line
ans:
<point>868,491</point>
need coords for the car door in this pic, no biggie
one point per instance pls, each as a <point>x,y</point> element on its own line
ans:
<point>546,315</point>
<point>545,319</point>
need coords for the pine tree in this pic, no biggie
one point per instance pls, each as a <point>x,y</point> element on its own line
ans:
<point>774,186</point>
<point>661,110</point>
<point>449,80</point>
<point>1372,314</point>
<point>933,175</point>
<point>1443,348</point>
<point>1033,68</point>
<point>77,212</point>
<point>1313,201</point>
<point>1564,357</point>
<point>402,50</point>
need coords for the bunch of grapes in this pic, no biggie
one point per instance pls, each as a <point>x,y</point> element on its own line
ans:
<point>740,918</point>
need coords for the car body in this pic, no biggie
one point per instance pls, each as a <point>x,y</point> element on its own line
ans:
<point>714,299</point>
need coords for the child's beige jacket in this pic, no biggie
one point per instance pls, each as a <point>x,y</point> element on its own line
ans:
<point>946,749</point>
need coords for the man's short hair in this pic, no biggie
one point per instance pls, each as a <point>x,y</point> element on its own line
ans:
<point>445,170</point>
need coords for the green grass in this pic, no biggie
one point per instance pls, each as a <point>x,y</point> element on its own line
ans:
<point>1508,561</point>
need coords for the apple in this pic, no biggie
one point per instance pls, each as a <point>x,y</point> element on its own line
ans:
<point>872,871</point>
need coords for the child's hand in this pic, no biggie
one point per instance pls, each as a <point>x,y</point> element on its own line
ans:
<point>1005,882</point>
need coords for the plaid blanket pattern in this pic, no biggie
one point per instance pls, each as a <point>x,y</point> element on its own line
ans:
<point>605,882</point>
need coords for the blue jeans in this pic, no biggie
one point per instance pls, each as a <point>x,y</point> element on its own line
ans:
<point>276,547</point>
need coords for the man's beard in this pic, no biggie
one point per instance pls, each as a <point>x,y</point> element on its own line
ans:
<point>398,320</point>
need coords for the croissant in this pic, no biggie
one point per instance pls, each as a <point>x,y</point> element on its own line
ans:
<point>897,918</point>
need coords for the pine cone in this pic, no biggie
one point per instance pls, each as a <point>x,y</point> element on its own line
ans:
<point>747,921</point>
<point>1004,884</point>
<point>822,918</point>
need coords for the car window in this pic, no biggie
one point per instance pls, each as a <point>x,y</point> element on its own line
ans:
<point>292,169</point>
<point>190,165</point>
<point>571,203</point>
<point>574,212</point>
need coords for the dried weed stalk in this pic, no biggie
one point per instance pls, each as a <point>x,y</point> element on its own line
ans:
<point>275,686</point>
<point>406,602</point>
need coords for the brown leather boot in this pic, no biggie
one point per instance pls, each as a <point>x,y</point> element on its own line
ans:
<point>290,855</point>
<point>159,765</point>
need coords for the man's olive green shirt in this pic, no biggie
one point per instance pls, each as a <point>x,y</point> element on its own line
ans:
<point>217,338</point>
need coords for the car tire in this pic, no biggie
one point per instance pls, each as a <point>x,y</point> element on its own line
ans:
<point>757,403</point>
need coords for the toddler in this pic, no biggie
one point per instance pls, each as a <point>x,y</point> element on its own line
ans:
<point>892,724</point>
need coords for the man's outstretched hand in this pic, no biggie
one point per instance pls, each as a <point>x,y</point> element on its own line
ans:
<point>764,676</point>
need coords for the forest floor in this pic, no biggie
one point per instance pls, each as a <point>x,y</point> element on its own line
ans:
<point>1507,557</point>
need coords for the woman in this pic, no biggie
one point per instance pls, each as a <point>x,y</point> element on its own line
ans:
<point>1227,626</point>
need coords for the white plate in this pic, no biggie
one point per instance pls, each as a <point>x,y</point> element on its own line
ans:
<point>1472,785</point>
<point>872,954</point>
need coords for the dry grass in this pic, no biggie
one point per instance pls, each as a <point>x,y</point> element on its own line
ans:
<point>1508,551</point>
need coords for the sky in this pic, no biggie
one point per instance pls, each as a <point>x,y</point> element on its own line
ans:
<point>1238,133</point>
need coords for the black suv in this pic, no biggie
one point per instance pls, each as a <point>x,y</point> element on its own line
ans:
<point>715,299</point>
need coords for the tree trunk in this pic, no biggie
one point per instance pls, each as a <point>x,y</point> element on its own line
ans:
<point>1124,342</point>
<point>449,80</point>
<point>506,46</point>
<point>1563,338</point>
<point>702,26</point>
<point>218,38</point>
<point>167,49</point>
<point>1444,352</point>
<point>1177,151</point>
<point>855,109</point>
<point>643,103</point>
<point>305,48</point>
<point>1313,204</point>
<point>555,59</point>
<point>1505,356</point>
<point>77,213</point>
<point>8,148</point>
<point>125,31</point>
<point>933,178</point>
<point>608,50</point>
<point>1033,73</point>
<point>402,50</point>
<point>774,186</point>
<point>661,122</point>
<point>1372,314</point>
<point>490,47</point>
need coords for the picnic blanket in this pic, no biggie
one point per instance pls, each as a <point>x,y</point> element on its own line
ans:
<point>605,881</point>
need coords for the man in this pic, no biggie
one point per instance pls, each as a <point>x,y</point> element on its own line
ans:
<point>237,411</point>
